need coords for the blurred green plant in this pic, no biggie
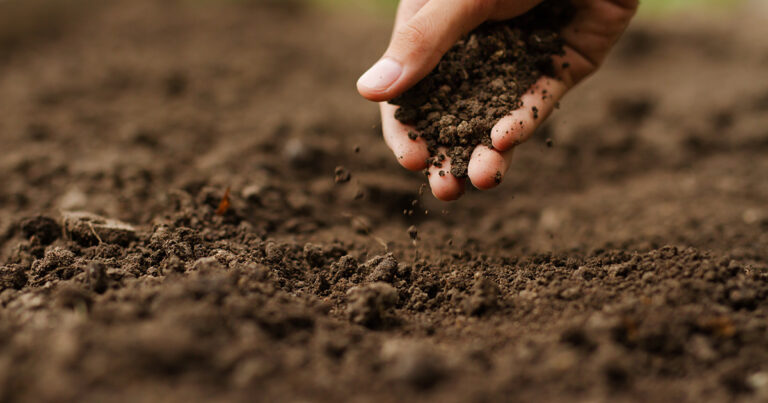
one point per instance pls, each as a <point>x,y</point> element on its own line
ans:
<point>646,6</point>
<point>663,6</point>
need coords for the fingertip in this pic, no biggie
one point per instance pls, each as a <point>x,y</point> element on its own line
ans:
<point>412,154</point>
<point>371,94</point>
<point>449,192</point>
<point>377,83</point>
<point>512,129</point>
<point>445,187</point>
<point>486,168</point>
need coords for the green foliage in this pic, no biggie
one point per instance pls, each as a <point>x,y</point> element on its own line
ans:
<point>646,6</point>
<point>663,6</point>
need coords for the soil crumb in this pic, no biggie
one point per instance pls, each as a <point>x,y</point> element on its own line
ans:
<point>480,80</point>
<point>341,175</point>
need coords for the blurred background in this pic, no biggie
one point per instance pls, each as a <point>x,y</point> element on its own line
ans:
<point>24,19</point>
<point>648,6</point>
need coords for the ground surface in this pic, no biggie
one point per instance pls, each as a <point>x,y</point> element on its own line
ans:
<point>627,262</point>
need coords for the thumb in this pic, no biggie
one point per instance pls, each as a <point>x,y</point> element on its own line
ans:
<point>418,44</point>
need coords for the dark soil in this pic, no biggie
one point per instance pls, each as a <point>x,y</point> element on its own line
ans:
<point>480,80</point>
<point>628,262</point>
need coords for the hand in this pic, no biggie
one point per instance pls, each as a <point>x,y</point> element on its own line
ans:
<point>426,29</point>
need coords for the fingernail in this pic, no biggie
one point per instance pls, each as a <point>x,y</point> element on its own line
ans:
<point>382,75</point>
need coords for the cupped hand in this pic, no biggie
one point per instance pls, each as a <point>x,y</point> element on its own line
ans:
<point>426,29</point>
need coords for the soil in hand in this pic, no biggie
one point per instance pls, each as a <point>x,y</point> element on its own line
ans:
<point>480,80</point>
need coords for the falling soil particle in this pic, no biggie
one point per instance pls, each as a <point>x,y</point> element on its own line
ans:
<point>341,175</point>
<point>413,232</point>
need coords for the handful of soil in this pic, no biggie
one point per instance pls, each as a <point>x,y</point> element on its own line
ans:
<point>480,80</point>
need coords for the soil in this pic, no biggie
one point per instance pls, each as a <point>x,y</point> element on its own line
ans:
<point>628,262</point>
<point>480,80</point>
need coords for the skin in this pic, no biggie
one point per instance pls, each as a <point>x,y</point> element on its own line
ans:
<point>426,29</point>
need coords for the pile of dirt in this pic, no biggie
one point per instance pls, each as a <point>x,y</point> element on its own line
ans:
<point>480,80</point>
<point>181,222</point>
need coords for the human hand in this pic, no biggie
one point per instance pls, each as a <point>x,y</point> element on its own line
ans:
<point>426,29</point>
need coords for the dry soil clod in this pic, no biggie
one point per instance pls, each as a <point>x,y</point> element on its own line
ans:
<point>370,305</point>
<point>90,229</point>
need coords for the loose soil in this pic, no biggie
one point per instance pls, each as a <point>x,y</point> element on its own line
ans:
<point>480,80</point>
<point>628,262</point>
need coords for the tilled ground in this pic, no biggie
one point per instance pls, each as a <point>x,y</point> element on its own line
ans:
<point>627,262</point>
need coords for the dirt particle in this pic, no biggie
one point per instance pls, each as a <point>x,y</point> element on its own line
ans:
<point>97,277</point>
<point>54,258</point>
<point>45,229</point>
<point>207,265</point>
<point>73,297</point>
<point>616,376</point>
<point>273,252</point>
<point>361,224</point>
<point>176,84</point>
<point>314,255</point>
<point>12,277</point>
<point>346,267</point>
<point>359,194</point>
<point>371,305</point>
<point>412,364</point>
<point>90,229</point>
<point>413,232</point>
<point>341,175</point>
<point>383,268</point>
<point>578,338</point>
<point>484,298</point>
<point>173,264</point>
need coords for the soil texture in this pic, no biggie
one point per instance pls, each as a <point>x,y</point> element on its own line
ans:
<point>173,225</point>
